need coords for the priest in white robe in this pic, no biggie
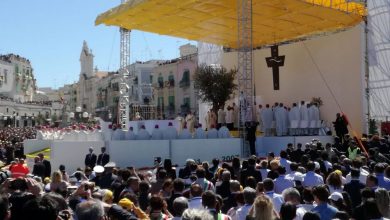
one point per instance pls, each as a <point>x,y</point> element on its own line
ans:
<point>304,120</point>
<point>212,133</point>
<point>281,120</point>
<point>294,118</point>
<point>200,133</point>
<point>267,117</point>
<point>221,118</point>
<point>157,134</point>
<point>39,135</point>
<point>75,134</point>
<point>143,134</point>
<point>190,122</point>
<point>258,118</point>
<point>180,121</point>
<point>314,119</point>
<point>170,132</point>
<point>223,132</point>
<point>130,135</point>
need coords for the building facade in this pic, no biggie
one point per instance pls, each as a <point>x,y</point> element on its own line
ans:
<point>173,85</point>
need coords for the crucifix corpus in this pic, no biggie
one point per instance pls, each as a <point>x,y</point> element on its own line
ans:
<point>275,61</point>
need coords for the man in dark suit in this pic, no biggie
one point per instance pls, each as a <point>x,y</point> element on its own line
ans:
<point>103,158</point>
<point>354,187</point>
<point>90,159</point>
<point>250,171</point>
<point>47,165</point>
<point>39,168</point>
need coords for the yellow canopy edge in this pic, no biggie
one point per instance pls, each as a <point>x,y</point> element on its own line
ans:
<point>215,21</point>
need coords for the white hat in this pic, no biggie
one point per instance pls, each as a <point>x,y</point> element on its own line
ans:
<point>98,169</point>
<point>298,177</point>
<point>336,196</point>
<point>317,165</point>
<point>110,165</point>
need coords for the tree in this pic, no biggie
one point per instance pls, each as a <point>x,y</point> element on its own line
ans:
<point>215,84</point>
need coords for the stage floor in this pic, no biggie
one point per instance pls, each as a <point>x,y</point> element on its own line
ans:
<point>276,144</point>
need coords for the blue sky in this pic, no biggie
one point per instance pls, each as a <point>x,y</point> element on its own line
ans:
<point>51,32</point>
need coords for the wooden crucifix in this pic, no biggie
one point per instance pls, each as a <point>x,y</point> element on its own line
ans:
<point>275,61</point>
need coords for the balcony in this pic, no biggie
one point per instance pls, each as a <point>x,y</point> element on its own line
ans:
<point>160,84</point>
<point>185,83</point>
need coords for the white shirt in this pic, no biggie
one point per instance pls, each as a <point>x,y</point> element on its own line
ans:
<point>312,179</point>
<point>229,117</point>
<point>264,173</point>
<point>277,200</point>
<point>242,212</point>
<point>300,212</point>
<point>281,183</point>
<point>195,203</point>
<point>362,177</point>
<point>286,164</point>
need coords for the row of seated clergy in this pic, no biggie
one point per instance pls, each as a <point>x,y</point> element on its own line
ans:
<point>170,133</point>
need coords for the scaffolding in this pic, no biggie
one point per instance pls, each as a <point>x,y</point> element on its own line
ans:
<point>124,102</point>
<point>245,67</point>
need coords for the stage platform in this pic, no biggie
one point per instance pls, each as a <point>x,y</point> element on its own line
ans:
<point>141,153</point>
<point>276,144</point>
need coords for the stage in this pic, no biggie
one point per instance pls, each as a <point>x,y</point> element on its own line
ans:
<point>141,153</point>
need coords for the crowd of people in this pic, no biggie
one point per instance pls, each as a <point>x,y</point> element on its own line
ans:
<point>41,103</point>
<point>11,142</point>
<point>310,181</point>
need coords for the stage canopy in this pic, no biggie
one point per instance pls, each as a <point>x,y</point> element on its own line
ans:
<point>215,21</point>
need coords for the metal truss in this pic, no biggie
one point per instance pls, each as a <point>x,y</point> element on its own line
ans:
<point>124,102</point>
<point>245,59</point>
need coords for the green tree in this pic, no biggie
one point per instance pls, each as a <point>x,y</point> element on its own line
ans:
<point>215,84</point>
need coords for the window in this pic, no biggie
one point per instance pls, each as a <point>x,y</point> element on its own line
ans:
<point>151,78</point>
<point>16,69</point>
<point>160,101</point>
<point>185,81</point>
<point>160,81</point>
<point>171,100</point>
<point>186,101</point>
<point>171,80</point>
<point>5,76</point>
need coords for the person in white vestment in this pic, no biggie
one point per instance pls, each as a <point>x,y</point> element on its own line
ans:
<point>267,118</point>
<point>83,133</point>
<point>130,135</point>
<point>180,121</point>
<point>200,133</point>
<point>294,118</point>
<point>143,134</point>
<point>236,117</point>
<point>67,134</point>
<point>190,121</point>
<point>39,135</point>
<point>281,120</point>
<point>314,118</point>
<point>170,132</point>
<point>212,133</point>
<point>304,122</point>
<point>229,118</point>
<point>157,134</point>
<point>185,133</point>
<point>258,118</point>
<point>223,132</point>
<point>221,118</point>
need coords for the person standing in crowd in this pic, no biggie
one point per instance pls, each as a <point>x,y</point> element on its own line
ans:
<point>103,158</point>
<point>341,127</point>
<point>90,159</point>
<point>221,118</point>
<point>229,118</point>
<point>267,118</point>
<point>46,163</point>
